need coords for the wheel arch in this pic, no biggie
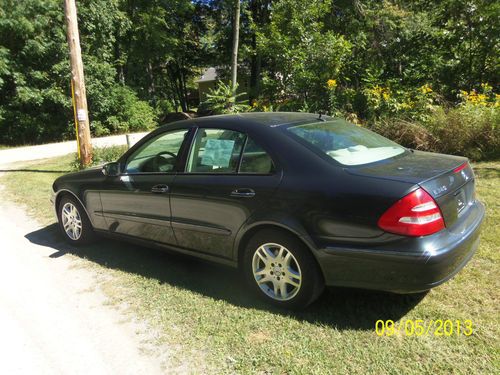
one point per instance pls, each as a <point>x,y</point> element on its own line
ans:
<point>249,232</point>
<point>61,193</point>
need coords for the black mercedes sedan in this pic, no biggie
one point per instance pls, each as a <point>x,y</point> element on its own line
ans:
<point>296,201</point>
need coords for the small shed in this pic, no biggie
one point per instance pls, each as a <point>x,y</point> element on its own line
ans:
<point>207,82</point>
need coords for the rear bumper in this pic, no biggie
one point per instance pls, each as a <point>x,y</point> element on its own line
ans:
<point>408,265</point>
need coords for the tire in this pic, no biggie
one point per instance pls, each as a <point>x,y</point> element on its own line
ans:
<point>73,222</point>
<point>280,269</point>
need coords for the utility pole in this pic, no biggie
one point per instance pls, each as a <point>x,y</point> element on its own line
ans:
<point>78,85</point>
<point>236,40</point>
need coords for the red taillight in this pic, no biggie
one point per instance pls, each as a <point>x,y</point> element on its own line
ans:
<point>460,168</point>
<point>416,214</point>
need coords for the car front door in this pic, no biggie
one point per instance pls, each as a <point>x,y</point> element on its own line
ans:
<point>227,177</point>
<point>136,202</point>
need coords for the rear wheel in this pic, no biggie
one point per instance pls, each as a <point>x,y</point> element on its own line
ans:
<point>281,270</point>
<point>74,223</point>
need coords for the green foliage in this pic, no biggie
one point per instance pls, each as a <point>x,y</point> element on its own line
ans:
<point>302,54</point>
<point>35,95</point>
<point>468,130</point>
<point>372,62</point>
<point>101,155</point>
<point>223,100</point>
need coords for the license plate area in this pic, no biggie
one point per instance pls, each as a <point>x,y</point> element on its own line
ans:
<point>461,200</point>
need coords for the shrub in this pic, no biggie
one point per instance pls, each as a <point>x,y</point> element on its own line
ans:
<point>223,100</point>
<point>129,113</point>
<point>102,155</point>
<point>469,130</point>
<point>409,134</point>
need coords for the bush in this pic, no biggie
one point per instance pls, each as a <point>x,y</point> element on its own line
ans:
<point>128,113</point>
<point>223,100</point>
<point>407,133</point>
<point>469,130</point>
<point>102,155</point>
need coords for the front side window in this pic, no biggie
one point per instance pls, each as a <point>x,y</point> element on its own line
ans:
<point>346,143</point>
<point>159,155</point>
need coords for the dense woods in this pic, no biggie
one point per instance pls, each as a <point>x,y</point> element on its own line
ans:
<point>417,71</point>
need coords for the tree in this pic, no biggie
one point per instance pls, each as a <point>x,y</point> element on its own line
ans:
<point>236,40</point>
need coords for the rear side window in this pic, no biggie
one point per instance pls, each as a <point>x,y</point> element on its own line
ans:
<point>227,151</point>
<point>346,143</point>
<point>216,151</point>
<point>255,159</point>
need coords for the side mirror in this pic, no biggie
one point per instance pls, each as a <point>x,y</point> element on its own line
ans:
<point>111,169</point>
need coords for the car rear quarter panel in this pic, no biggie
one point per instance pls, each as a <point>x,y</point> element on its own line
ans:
<point>325,205</point>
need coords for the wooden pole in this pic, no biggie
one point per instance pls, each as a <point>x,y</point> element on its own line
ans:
<point>236,40</point>
<point>78,84</point>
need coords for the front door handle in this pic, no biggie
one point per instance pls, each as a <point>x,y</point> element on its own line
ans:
<point>159,189</point>
<point>243,193</point>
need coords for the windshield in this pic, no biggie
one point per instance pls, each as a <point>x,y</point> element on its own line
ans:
<point>346,143</point>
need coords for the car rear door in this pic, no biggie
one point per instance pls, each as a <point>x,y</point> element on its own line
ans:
<point>136,203</point>
<point>227,177</point>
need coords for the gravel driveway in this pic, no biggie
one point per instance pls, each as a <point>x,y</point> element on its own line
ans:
<point>53,317</point>
<point>51,150</point>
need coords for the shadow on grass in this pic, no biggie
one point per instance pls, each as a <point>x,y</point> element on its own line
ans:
<point>338,307</point>
<point>34,170</point>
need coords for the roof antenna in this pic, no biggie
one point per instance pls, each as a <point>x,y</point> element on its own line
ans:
<point>321,118</point>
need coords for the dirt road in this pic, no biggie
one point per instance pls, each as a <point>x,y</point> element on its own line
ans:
<point>53,317</point>
<point>51,150</point>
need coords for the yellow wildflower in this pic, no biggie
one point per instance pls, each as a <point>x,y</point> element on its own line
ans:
<point>481,99</point>
<point>331,83</point>
<point>486,87</point>
<point>426,89</point>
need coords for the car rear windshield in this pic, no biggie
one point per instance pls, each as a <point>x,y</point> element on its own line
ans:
<point>346,143</point>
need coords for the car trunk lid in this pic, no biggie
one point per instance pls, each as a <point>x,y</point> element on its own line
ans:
<point>448,179</point>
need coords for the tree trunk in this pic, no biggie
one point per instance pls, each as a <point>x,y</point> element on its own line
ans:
<point>255,70</point>
<point>236,39</point>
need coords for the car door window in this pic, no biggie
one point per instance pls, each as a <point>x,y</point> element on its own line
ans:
<point>216,151</point>
<point>159,155</point>
<point>255,159</point>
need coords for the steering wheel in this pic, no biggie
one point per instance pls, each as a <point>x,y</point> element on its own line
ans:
<point>157,160</point>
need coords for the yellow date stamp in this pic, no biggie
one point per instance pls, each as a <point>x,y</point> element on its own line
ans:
<point>421,327</point>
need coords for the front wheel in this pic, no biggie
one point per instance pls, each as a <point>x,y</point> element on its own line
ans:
<point>74,223</point>
<point>281,270</point>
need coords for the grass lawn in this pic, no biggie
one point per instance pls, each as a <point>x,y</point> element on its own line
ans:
<point>202,311</point>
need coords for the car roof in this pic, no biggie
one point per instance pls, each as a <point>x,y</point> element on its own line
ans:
<point>272,119</point>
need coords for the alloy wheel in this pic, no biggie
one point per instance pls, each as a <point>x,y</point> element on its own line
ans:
<point>276,271</point>
<point>72,221</point>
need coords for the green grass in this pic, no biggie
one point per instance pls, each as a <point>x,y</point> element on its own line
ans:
<point>210,324</point>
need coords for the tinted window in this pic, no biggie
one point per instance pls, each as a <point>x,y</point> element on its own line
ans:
<point>215,151</point>
<point>157,155</point>
<point>255,159</point>
<point>346,143</point>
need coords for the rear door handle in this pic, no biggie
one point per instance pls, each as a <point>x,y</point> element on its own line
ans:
<point>159,189</point>
<point>243,193</point>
